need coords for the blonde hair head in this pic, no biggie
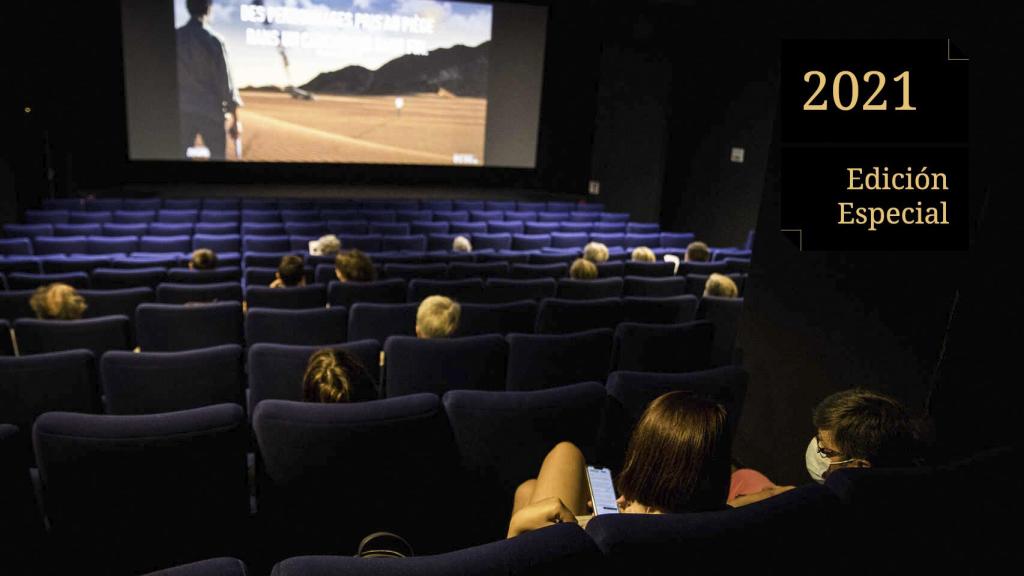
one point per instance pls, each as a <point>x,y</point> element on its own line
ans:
<point>437,317</point>
<point>57,301</point>
<point>329,244</point>
<point>461,244</point>
<point>643,254</point>
<point>331,376</point>
<point>698,252</point>
<point>203,259</point>
<point>596,252</point>
<point>721,285</point>
<point>583,269</point>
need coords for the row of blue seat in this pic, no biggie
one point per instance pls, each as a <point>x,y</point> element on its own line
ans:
<point>43,245</point>
<point>316,229</point>
<point>100,204</point>
<point>171,327</point>
<point>310,216</point>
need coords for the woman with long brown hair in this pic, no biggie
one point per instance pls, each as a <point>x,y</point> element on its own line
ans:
<point>677,461</point>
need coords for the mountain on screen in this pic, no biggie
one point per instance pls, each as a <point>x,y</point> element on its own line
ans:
<point>461,70</point>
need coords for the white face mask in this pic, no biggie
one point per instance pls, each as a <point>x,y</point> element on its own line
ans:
<point>817,464</point>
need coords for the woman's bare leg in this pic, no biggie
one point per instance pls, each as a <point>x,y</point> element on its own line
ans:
<point>524,493</point>
<point>563,475</point>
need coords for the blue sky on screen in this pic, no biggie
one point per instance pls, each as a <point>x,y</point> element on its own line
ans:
<point>332,48</point>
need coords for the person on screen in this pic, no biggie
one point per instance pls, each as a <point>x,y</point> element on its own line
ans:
<point>203,259</point>
<point>206,92</point>
<point>291,272</point>
<point>57,301</point>
<point>677,461</point>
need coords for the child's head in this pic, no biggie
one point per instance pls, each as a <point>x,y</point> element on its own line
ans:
<point>437,317</point>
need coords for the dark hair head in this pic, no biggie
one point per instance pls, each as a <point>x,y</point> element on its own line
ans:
<point>291,270</point>
<point>678,455</point>
<point>204,259</point>
<point>333,376</point>
<point>198,8</point>
<point>698,252</point>
<point>870,426</point>
<point>355,266</point>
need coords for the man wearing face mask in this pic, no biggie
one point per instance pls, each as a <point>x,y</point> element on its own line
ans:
<point>857,428</point>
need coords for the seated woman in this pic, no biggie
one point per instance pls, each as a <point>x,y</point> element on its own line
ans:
<point>721,286</point>
<point>437,317</point>
<point>290,272</point>
<point>336,376</point>
<point>643,254</point>
<point>203,259</point>
<point>677,461</point>
<point>583,269</point>
<point>57,301</point>
<point>354,266</point>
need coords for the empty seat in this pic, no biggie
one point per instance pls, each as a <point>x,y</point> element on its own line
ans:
<point>611,269</point>
<point>467,205</point>
<point>563,256</point>
<point>21,523</point>
<point>142,260</point>
<point>500,205</point>
<point>63,264</point>
<point>96,334</point>
<point>706,268</point>
<point>154,382</point>
<point>559,316</point>
<point>500,227</point>
<point>216,228</point>
<point>570,289</point>
<point>509,256</point>
<point>369,321</point>
<point>460,270</point>
<point>219,216</point>
<point>609,239</point>
<point>390,228</point>
<point>476,319</point>
<point>511,290</point>
<point>169,327</point>
<point>634,240</point>
<point>527,206</point>
<point>737,265</point>
<point>427,228</point>
<point>173,293</point>
<point>262,259</point>
<point>300,327</point>
<point>676,239</point>
<point>215,276</point>
<point>438,365</point>
<point>300,444</point>
<point>530,241</point>
<point>382,291</point>
<point>486,215</point>
<point>168,488</point>
<point>504,436</point>
<point>377,215</point>
<point>440,241</point>
<point>134,216</point>
<point>266,244</point>
<point>170,244</point>
<point>568,239</point>
<point>520,216</point>
<point>27,281</point>
<point>294,297</point>
<point>523,271</point>
<point>609,227</point>
<point>76,230</point>
<point>80,217</point>
<point>630,393</point>
<point>113,278</point>
<point>220,203</point>
<point>663,347</point>
<point>451,215</point>
<point>300,216</point>
<point>262,229</point>
<point>276,370</point>
<point>177,216</point>
<point>466,290</point>
<point>538,361</point>
<point>183,203</point>
<point>467,228</point>
<point>27,264</point>
<point>46,216</point>
<point>348,228</point>
<point>6,344</point>
<point>644,228</point>
<point>364,242</point>
<point>59,245</point>
<point>32,385</point>
<point>581,216</point>
<point>654,287</point>
<point>670,310</point>
<point>542,228</point>
<point>218,242</point>
<point>725,314</point>
<point>306,229</point>
<point>410,271</point>
<point>115,302</point>
<point>413,243</point>
<point>650,269</point>
<point>499,241</point>
<point>169,229</point>
<point>644,544</point>
<point>251,216</point>
<point>27,230</point>
<point>552,216</point>
<point>414,216</point>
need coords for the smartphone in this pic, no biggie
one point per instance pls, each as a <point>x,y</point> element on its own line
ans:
<point>602,491</point>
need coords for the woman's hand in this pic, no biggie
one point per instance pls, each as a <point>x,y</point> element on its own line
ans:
<point>538,515</point>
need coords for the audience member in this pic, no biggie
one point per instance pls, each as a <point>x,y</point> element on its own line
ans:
<point>291,272</point>
<point>329,244</point>
<point>57,301</point>
<point>583,269</point>
<point>643,254</point>
<point>596,252</point>
<point>461,244</point>
<point>336,376</point>
<point>697,252</point>
<point>677,461</point>
<point>354,266</point>
<point>203,259</point>
<point>437,317</point>
<point>721,285</point>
